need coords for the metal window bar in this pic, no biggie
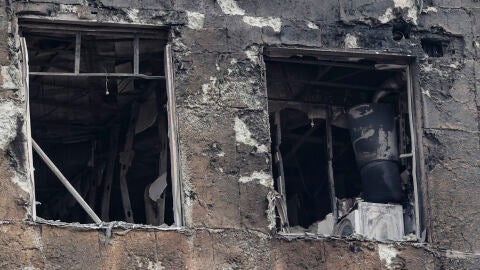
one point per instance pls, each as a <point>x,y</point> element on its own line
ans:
<point>65,182</point>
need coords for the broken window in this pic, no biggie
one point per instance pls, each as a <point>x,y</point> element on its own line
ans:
<point>100,123</point>
<point>342,143</point>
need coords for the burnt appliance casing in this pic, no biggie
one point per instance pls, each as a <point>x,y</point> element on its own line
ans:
<point>374,138</point>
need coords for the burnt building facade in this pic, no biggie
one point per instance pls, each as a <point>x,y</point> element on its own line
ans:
<point>231,134</point>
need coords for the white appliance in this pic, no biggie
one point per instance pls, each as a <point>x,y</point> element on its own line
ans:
<point>373,221</point>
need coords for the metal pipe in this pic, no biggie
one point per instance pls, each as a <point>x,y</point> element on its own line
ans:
<point>65,182</point>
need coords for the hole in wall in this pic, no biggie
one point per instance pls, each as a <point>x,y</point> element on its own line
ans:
<point>432,47</point>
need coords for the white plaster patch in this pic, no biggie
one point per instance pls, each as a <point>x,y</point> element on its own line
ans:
<point>243,135</point>
<point>9,112</point>
<point>252,54</point>
<point>387,16</point>
<point>195,20</point>
<point>387,253</point>
<point>271,215</point>
<point>230,7</point>
<point>10,77</point>
<point>350,41</point>
<point>408,4</point>
<point>30,268</point>
<point>311,25</point>
<point>145,263</point>
<point>207,87</point>
<point>455,254</point>
<point>426,93</point>
<point>155,266</point>
<point>22,182</point>
<point>68,8</point>
<point>132,14</point>
<point>430,10</point>
<point>262,178</point>
<point>274,23</point>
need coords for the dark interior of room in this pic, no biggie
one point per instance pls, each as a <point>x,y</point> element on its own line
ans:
<point>83,123</point>
<point>300,91</point>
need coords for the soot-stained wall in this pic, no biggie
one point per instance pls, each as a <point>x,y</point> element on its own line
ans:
<point>225,163</point>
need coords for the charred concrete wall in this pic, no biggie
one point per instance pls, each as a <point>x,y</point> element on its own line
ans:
<point>223,128</point>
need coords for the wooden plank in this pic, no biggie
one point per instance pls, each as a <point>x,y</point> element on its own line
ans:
<point>136,56</point>
<point>331,179</point>
<point>281,176</point>
<point>65,182</point>
<point>39,24</point>
<point>109,173</point>
<point>78,46</point>
<point>126,158</point>
<point>339,85</point>
<point>340,55</point>
<point>173,139</point>
<point>67,74</point>
<point>28,127</point>
<point>320,63</point>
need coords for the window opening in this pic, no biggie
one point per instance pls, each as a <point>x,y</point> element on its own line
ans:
<point>98,112</point>
<point>342,144</point>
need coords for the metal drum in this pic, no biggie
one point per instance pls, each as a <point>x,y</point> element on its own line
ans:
<point>374,139</point>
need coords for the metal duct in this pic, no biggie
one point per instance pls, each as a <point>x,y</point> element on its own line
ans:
<point>374,139</point>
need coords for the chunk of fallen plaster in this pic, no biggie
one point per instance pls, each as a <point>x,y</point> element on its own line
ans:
<point>243,135</point>
<point>195,20</point>
<point>274,23</point>
<point>261,178</point>
<point>230,7</point>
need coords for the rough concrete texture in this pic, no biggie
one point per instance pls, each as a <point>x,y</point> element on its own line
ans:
<point>220,81</point>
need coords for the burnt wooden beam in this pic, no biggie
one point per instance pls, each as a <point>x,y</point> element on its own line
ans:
<point>109,173</point>
<point>67,74</point>
<point>339,85</point>
<point>320,63</point>
<point>331,180</point>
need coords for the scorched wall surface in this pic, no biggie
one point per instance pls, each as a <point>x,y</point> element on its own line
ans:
<point>220,95</point>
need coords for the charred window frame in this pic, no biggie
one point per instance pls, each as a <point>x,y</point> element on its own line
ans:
<point>310,92</point>
<point>120,78</point>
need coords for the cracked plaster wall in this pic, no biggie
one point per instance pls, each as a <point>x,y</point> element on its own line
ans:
<point>220,95</point>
